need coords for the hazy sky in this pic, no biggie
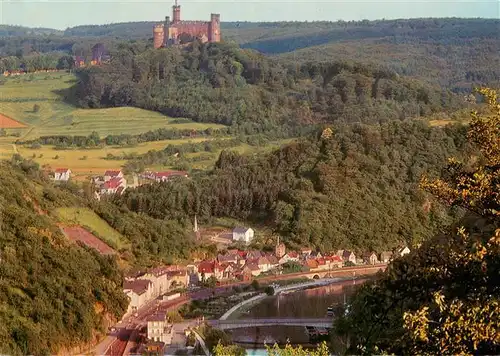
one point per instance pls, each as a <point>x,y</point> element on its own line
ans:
<point>66,13</point>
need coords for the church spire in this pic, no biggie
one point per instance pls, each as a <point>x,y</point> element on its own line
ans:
<point>195,229</point>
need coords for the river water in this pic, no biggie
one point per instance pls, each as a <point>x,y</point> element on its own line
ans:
<point>310,303</point>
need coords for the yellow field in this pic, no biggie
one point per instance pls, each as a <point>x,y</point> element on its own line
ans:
<point>84,162</point>
<point>18,96</point>
<point>86,217</point>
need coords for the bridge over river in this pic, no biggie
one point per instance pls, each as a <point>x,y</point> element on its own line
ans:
<point>249,323</point>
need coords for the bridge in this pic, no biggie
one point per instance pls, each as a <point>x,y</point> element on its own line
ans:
<point>251,323</point>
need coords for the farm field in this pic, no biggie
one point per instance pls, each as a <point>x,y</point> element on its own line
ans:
<point>87,218</point>
<point>85,162</point>
<point>33,101</point>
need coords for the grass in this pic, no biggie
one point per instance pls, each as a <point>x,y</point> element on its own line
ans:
<point>85,162</point>
<point>55,117</point>
<point>87,218</point>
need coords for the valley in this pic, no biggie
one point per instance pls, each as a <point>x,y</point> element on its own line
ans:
<point>153,180</point>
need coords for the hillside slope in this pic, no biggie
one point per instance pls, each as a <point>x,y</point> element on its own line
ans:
<point>53,294</point>
<point>222,83</point>
<point>355,188</point>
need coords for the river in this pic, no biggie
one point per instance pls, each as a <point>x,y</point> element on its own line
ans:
<point>310,303</point>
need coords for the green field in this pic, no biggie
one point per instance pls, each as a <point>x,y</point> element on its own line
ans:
<point>55,117</point>
<point>87,218</point>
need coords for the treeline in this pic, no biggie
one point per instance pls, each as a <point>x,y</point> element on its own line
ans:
<point>356,189</point>
<point>33,63</point>
<point>54,294</point>
<point>224,84</point>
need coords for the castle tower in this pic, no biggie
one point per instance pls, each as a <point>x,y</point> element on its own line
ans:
<point>176,13</point>
<point>166,31</point>
<point>214,28</point>
<point>158,36</point>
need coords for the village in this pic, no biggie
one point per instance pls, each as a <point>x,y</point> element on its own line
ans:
<point>230,266</point>
<point>114,181</point>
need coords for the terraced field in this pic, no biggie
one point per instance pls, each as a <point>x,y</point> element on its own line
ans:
<point>36,101</point>
<point>88,219</point>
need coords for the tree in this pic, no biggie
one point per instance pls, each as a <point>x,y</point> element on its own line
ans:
<point>255,284</point>
<point>229,350</point>
<point>444,297</point>
<point>36,108</point>
<point>288,350</point>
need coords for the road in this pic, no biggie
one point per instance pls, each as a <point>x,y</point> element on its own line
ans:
<point>119,339</point>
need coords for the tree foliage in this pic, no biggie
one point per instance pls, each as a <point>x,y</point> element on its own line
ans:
<point>53,293</point>
<point>289,350</point>
<point>444,298</point>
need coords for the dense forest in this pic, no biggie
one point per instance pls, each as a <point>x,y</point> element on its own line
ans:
<point>224,84</point>
<point>455,53</point>
<point>354,189</point>
<point>444,298</point>
<point>53,294</point>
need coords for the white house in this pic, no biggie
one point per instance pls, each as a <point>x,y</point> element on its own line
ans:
<point>159,328</point>
<point>62,174</point>
<point>244,234</point>
<point>400,252</point>
<point>139,292</point>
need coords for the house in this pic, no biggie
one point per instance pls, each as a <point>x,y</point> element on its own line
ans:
<point>349,256</point>
<point>151,348</point>
<point>229,270</point>
<point>228,258</point>
<point>253,255</point>
<point>305,251</point>
<point>113,186</point>
<point>110,174</point>
<point>273,261</point>
<point>370,258</point>
<point>385,256</point>
<point>207,269</point>
<point>264,264</point>
<point>139,292</point>
<point>251,269</point>
<point>62,174</point>
<point>159,329</point>
<point>291,256</point>
<point>340,253</point>
<point>315,254</point>
<point>334,261</point>
<point>311,264</point>
<point>244,234</point>
<point>401,251</point>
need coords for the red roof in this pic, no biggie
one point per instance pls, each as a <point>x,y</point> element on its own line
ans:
<point>62,170</point>
<point>207,266</point>
<point>112,173</point>
<point>112,183</point>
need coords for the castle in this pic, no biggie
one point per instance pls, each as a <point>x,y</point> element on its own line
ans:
<point>178,32</point>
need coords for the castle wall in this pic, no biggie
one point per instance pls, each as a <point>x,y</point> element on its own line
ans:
<point>158,36</point>
<point>193,28</point>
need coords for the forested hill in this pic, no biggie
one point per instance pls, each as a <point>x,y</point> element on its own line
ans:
<point>225,84</point>
<point>356,188</point>
<point>53,294</point>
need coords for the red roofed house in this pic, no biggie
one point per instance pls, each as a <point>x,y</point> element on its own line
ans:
<point>207,269</point>
<point>62,174</point>
<point>288,257</point>
<point>112,186</point>
<point>110,174</point>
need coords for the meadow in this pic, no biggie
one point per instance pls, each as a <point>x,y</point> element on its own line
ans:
<point>34,101</point>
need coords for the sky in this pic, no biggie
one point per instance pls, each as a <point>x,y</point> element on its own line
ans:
<point>60,14</point>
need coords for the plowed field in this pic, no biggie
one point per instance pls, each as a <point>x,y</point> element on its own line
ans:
<point>8,123</point>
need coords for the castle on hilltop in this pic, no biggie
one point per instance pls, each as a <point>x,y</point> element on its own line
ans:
<point>179,32</point>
